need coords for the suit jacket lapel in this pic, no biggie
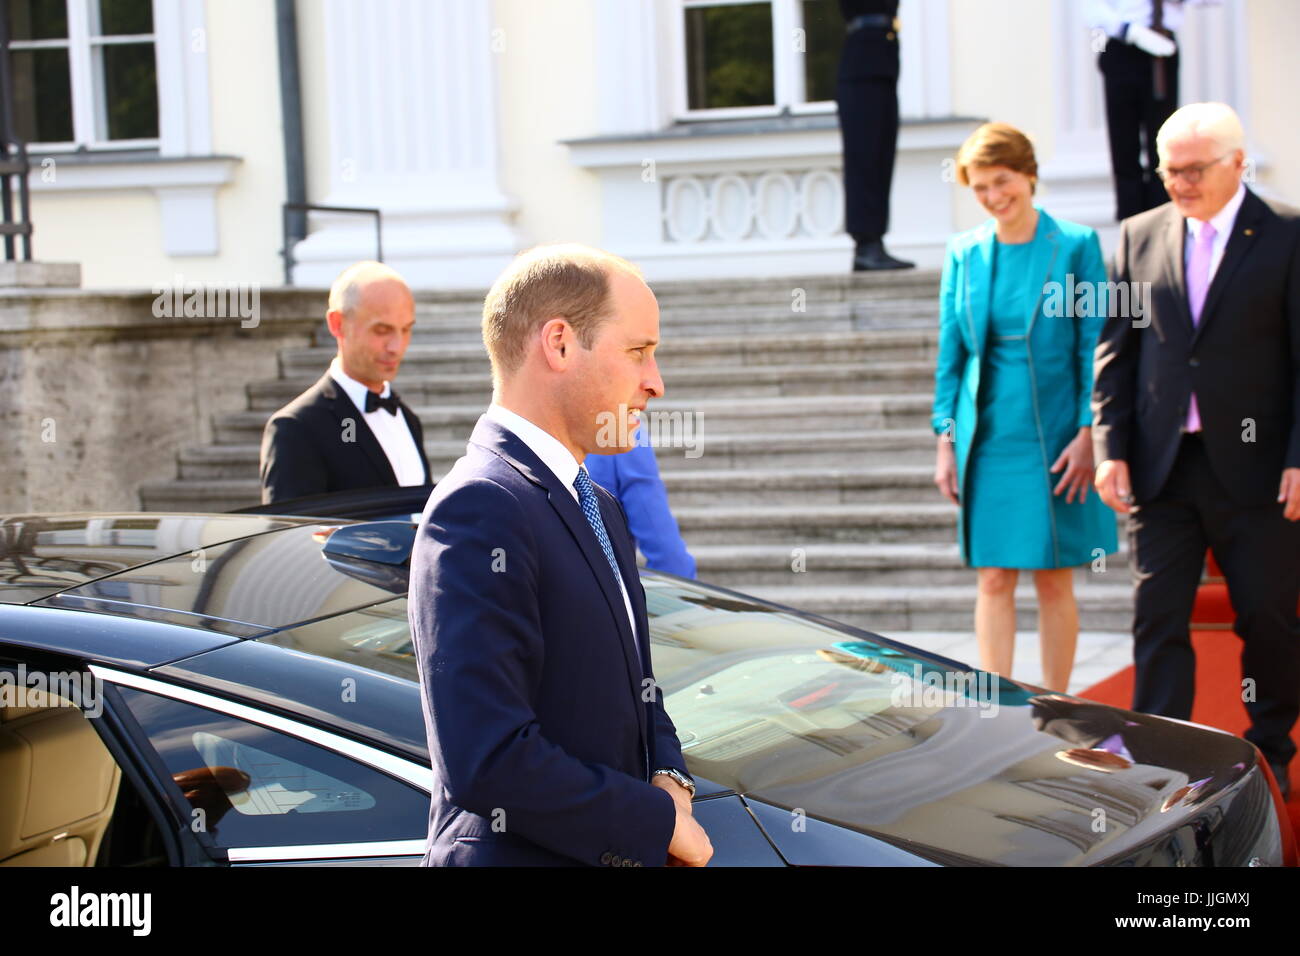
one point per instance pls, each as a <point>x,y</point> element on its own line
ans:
<point>492,436</point>
<point>979,286</point>
<point>1175,235</point>
<point>1244,230</point>
<point>365,438</point>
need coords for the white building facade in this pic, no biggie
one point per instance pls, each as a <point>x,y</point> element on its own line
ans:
<point>478,127</point>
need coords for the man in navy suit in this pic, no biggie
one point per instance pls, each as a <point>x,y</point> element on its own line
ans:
<point>548,737</point>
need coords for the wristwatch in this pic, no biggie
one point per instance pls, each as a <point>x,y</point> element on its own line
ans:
<point>680,777</point>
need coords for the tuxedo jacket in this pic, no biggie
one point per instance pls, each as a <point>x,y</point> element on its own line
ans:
<point>306,448</point>
<point>543,721</point>
<point>1242,360</point>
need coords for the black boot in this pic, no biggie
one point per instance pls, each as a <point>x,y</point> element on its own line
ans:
<point>871,255</point>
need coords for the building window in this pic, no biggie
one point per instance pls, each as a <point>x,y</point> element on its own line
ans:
<point>84,73</point>
<point>758,57</point>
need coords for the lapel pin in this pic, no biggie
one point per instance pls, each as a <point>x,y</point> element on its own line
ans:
<point>1250,232</point>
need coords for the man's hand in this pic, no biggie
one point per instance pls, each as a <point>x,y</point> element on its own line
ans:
<point>945,469</point>
<point>1113,485</point>
<point>1076,459</point>
<point>690,845</point>
<point>1289,492</point>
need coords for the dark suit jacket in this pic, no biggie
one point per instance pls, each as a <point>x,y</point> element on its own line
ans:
<point>537,705</point>
<point>304,451</point>
<point>1243,360</point>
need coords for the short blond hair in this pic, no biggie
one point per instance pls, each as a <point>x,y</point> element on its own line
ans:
<point>1216,121</point>
<point>565,280</point>
<point>997,144</point>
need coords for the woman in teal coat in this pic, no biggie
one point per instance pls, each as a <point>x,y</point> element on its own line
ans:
<point>1021,305</point>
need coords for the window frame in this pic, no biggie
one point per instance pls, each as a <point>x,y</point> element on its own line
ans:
<point>400,770</point>
<point>89,99</point>
<point>789,88</point>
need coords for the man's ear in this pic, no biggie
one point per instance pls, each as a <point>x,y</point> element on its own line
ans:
<point>557,340</point>
<point>334,321</point>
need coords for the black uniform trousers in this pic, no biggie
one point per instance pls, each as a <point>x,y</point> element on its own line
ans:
<point>869,126</point>
<point>1259,553</point>
<point>1133,117</point>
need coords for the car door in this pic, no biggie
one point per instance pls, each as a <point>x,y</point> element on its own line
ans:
<point>257,788</point>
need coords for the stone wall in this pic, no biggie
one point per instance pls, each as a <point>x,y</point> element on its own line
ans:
<point>98,392</point>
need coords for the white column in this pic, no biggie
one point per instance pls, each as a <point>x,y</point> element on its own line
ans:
<point>413,118</point>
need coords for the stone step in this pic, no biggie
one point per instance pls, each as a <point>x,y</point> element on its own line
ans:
<point>441,358</point>
<point>212,495</point>
<point>683,451</point>
<point>688,321</point>
<point>739,381</point>
<point>799,526</point>
<point>711,416</point>
<point>876,484</point>
<point>849,565</point>
<point>890,610</point>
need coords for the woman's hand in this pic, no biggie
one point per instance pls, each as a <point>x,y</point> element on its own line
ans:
<point>1076,460</point>
<point>945,469</point>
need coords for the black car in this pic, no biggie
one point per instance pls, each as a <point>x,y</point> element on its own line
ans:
<point>240,689</point>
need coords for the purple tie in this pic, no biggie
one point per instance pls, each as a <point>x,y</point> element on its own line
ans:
<point>1198,283</point>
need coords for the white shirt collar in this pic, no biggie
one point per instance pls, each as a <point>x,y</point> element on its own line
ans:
<point>352,388</point>
<point>541,443</point>
<point>1223,219</point>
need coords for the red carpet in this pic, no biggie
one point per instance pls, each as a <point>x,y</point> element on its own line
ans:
<point>1218,676</point>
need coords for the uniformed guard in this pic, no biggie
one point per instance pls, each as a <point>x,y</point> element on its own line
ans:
<point>867,95</point>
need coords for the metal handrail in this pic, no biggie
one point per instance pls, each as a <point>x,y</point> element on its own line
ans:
<point>13,162</point>
<point>290,239</point>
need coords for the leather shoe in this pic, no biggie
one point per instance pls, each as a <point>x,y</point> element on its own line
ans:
<point>1281,775</point>
<point>870,256</point>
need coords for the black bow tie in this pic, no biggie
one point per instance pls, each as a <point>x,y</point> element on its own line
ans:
<point>391,403</point>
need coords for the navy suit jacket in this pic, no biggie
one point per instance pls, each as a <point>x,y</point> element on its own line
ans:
<point>543,720</point>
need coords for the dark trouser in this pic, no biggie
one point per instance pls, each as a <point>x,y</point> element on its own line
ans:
<point>869,128</point>
<point>1133,117</point>
<point>1259,552</point>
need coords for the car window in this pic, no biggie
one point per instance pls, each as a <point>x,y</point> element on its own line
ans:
<point>247,785</point>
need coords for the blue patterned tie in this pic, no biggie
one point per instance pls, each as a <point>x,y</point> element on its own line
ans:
<point>587,499</point>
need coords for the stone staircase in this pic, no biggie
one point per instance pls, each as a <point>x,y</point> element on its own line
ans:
<point>812,483</point>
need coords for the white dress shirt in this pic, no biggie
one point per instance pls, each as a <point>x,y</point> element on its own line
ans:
<point>391,431</point>
<point>1222,221</point>
<point>564,466</point>
<point>1111,15</point>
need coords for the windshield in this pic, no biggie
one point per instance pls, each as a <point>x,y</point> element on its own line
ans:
<point>739,678</point>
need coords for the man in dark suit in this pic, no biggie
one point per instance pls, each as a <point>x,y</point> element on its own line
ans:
<point>866,93</point>
<point>350,430</point>
<point>548,736</point>
<point>1197,422</point>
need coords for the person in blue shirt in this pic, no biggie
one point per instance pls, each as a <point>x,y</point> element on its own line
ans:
<point>633,478</point>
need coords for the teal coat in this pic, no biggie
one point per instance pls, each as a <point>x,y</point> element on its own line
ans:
<point>1062,331</point>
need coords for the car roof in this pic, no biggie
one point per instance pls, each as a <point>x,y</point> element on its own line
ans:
<point>235,575</point>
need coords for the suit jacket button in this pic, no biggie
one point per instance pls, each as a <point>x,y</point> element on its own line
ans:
<point>605,858</point>
<point>1194,362</point>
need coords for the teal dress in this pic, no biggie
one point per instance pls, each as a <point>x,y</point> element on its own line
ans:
<point>1013,383</point>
